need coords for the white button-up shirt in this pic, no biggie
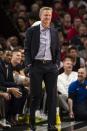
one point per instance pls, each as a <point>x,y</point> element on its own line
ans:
<point>64,81</point>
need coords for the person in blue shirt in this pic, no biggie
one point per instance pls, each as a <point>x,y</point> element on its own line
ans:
<point>77,96</point>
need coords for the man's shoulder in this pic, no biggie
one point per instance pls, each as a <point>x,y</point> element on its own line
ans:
<point>61,75</point>
<point>74,73</point>
<point>74,84</point>
<point>32,28</point>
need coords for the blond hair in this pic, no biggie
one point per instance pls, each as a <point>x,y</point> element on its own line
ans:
<point>45,8</point>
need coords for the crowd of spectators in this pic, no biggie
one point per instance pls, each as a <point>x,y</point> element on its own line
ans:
<point>69,17</point>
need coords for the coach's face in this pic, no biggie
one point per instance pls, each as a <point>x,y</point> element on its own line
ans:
<point>45,17</point>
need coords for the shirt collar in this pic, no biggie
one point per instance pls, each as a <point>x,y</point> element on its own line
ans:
<point>43,29</point>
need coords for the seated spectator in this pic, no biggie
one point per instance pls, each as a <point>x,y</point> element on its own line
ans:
<point>81,10</point>
<point>35,8</point>
<point>77,8</point>
<point>57,8</point>
<point>73,8</point>
<point>77,61</point>
<point>22,12</point>
<point>64,81</point>
<point>78,39</point>
<point>21,25</point>
<point>12,42</point>
<point>74,29</point>
<point>67,25</point>
<point>64,49</point>
<point>7,56</point>
<point>15,105</point>
<point>77,99</point>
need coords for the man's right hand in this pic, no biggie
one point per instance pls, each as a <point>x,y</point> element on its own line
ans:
<point>14,91</point>
<point>71,115</point>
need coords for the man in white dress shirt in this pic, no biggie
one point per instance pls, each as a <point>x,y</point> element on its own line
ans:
<point>63,82</point>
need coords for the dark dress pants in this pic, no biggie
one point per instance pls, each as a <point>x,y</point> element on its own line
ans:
<point>47,72</point>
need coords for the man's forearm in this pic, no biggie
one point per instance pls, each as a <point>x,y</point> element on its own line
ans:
<point>70,103</point>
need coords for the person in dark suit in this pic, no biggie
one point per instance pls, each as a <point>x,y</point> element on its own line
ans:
<point>42,58</point>
<point>14,105</point>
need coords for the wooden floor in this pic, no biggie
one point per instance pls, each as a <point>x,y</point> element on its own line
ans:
<point>65,126</point>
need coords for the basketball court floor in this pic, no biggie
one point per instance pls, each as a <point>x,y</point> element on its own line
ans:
<point>65,126</point>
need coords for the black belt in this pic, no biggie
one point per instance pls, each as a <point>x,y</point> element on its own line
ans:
<point>43,61</point>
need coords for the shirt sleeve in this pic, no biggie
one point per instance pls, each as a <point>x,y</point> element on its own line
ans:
<point>60,86</point>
